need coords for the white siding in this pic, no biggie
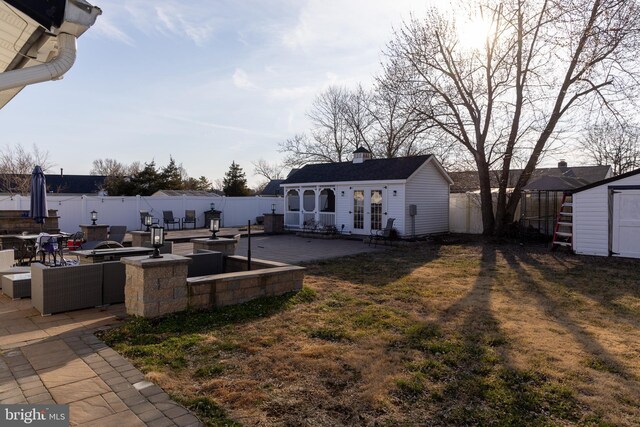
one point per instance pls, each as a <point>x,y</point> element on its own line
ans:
<point>395,208</point>
<point>591,218</point>
<point>591,221</point>
<point>343,206</point>
<point>429,191</point>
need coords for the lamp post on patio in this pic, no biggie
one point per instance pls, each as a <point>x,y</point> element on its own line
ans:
<point>148,221</point>
<point>214,227</point>
<point>94,217</point>
<point>157,240</point>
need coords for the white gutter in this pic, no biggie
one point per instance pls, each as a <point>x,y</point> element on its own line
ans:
<point>51,70</point>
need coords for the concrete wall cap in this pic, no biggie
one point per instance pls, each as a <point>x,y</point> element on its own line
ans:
<point>145,261</point>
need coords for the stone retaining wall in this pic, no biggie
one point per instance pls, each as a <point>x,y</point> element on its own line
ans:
<point>237,285</point>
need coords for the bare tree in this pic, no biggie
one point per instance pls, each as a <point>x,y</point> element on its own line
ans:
<point>359,121</point>
<point>16,165</point>
<point>267,170</point>
<point>300,150</point>
<point>542,63</point>
<point>331,139</point>
<point>615,144</point>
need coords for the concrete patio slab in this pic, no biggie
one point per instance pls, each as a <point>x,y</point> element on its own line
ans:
<point>292,249</point>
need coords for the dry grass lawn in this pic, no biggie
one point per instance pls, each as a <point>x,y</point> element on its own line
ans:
<point>439,334</point>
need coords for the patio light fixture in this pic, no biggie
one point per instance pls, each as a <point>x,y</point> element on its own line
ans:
<point>157,240</point>
<point>213,206</point>
<point>148,221</point>
<point>273,208</point>
<point>214,227</point>
<point>94,217</point>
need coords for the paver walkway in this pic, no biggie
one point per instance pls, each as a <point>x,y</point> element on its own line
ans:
<point>58,359</point>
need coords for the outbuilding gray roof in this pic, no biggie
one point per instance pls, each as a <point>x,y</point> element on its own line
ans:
<point>468,180</point>
<point>369,170</point>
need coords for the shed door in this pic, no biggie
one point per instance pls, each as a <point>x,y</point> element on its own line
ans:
<point>626,223</point>
<point>368,207</point>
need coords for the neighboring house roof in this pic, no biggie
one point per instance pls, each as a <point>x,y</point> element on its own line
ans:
<point>369,170</point>
<point>67,184</point>
<point>608,180</point>
<point>198,193</point>
<point>555,183</point>
<point>75,184</point>
<point>273,188</point>
<point>468,180</point>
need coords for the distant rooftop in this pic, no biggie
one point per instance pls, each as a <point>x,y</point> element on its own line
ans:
<point>196,193</point>
<point>575,175</point>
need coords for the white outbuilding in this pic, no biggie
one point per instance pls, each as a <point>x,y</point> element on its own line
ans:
<point>606,217</point>
<point>359,197</point>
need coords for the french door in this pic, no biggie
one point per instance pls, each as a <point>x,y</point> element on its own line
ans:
<point>368,210</point>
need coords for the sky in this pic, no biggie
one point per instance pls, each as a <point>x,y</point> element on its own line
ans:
<point>206,82</point>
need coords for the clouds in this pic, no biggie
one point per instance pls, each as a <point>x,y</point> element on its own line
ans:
<point>190,21</point>
<point>241,79</point>
<point>207,76</point>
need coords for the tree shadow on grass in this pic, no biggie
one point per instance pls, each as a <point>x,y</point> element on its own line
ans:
<point>605,281</point>
<point>561,309</point>
<point>465,373</point>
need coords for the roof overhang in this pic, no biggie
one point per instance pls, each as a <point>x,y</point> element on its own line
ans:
<point>29,31</point>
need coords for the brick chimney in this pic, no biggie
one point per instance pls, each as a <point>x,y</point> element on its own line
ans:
<point>562,163</point>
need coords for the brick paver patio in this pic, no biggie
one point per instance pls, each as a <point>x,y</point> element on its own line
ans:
<point>58,359</point>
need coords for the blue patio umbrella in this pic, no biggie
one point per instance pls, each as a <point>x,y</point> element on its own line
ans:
<point>38,188</point>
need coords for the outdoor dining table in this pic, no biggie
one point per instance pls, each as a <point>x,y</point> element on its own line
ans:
<point>27,248</point>
<point>92,256</point>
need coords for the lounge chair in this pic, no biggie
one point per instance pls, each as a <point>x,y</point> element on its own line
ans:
<point>384,234</point>
<point>117,232</point>
<point>168,219</point>
<point>189,218</point>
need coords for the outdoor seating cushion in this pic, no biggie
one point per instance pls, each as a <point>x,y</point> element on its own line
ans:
<point>17,285</point>
<point>7,258</point>
<point>15,270</point>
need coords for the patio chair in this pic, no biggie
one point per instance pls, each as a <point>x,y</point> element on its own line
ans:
<point>189,218</point>
<point>168,219</point>
<point>47,246</point>
<point>384,234</point>
<point>75,241</point>
<point>117,232</point>
<point>154,221</point>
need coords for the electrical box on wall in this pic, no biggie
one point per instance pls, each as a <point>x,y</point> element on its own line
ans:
<point>413,210</point>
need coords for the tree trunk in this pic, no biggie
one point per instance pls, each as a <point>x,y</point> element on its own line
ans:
<point>486,198</point>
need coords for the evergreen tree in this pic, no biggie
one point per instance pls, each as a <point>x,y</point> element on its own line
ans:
<point>235,182</point>
<point>171,176</point>
<point>147,181</point>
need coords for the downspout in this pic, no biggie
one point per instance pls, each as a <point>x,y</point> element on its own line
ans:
<point>51,70</point>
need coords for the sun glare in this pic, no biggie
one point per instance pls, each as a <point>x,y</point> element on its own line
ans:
<point>473,33</point>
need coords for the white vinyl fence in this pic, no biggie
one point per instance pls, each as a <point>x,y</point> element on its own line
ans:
<point>74,210</point>
<point>465,215</point>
